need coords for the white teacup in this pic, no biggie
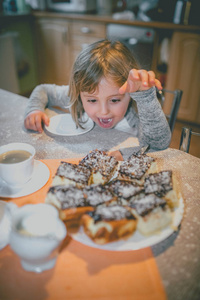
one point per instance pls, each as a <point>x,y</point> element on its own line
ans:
<point>36,235</point>
<point>16,163</point>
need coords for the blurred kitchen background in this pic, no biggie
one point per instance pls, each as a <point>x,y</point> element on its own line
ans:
<point>40,39</point>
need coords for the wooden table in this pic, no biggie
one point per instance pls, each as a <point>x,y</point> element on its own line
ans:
<point>168,270</point>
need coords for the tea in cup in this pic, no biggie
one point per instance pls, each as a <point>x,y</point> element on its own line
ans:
<point>16,163</point>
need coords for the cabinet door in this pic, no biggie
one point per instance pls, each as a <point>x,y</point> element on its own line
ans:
<point>18,64</point>
<point>52,38</point>
<point>184,74</point>
<point>85,33</point>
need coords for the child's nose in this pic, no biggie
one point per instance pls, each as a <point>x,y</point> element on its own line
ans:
<point>104,109</point>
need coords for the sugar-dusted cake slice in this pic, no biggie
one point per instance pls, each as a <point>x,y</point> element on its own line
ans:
<point>108,224</point>
<point>72,202</point>
<point>72,174</point>
<point>102,166</point>
<point>153,214</point>
<point>136,167</point>
<point>125,190</point>
<point>97,194</point>
<point>163,184</point>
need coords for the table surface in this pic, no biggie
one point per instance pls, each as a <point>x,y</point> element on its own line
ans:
<point>177,257</point>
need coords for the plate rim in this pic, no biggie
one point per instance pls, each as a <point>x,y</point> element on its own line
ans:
<point>68,134</point>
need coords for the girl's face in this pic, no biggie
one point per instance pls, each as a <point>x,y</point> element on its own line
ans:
<point>106,107</point>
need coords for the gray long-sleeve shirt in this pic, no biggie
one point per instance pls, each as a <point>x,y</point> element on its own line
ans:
<point>149,124</point>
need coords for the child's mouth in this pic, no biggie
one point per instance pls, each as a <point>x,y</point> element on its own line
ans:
<point>105,123</point>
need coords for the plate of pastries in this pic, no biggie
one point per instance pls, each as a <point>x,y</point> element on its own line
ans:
<point>117,205</point>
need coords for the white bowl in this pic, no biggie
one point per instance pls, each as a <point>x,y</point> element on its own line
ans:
<point>36,235</point>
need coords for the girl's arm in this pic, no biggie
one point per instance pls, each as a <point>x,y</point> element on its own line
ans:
<point>153,126</point>
<point>44,95</point>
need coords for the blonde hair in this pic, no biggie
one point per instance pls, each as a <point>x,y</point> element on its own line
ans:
<point>109,59</point>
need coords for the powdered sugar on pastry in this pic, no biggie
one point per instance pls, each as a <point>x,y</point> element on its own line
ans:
<point>102,166</point>
<point>107,224</point>
<point>125,189</point>
<point>72,174</point>
<point>135,167</point>
<point>97,194</point>
<point>163,184</point>
<point>153,214</point>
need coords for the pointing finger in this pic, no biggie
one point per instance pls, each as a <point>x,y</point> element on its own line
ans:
<point>123,88</point>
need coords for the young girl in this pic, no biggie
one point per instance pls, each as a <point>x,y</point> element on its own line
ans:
<point>106,84</point>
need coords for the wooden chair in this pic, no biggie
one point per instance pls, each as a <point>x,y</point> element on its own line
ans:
<point>186,135</point>
<point>175,103</point>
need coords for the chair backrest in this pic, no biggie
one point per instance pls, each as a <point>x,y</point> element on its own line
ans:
<point>176,99</point>
<point>186,135</point>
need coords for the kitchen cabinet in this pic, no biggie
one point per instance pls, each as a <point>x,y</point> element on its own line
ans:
<point>53,50</point>
<point>184,73</point>
<point>84,33</point>
<point>60,37</point>
<point>59,42</point>
<point>18,58</point>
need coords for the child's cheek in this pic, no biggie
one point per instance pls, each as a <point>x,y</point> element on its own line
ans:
<point>89,111</point>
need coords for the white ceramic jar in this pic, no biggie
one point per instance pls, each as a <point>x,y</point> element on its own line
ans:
<point>36,235</point>
<point>5,222</point>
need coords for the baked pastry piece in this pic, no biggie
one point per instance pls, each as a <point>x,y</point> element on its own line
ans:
<point>69,200</point>
<point>135,168</point>
<point>72,174</point>
<point>163,184</point>
<point>102,166</point>
<point>108,224</point>
<point>126,191</point>
<point>72,202</point>
<point>153,214</point>
<point>97,194</point>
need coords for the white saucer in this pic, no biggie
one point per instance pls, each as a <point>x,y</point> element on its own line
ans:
<point>39,178</point>
<point>64,125</point>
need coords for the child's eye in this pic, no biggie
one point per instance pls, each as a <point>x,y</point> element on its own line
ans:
<point>92,100</point>
<point>115,100</point>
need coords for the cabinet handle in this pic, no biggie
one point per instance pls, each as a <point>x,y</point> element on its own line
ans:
<point>86,30</point>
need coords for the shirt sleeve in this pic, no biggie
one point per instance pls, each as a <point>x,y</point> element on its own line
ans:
<point>153,126</point>
<point>47,95</point>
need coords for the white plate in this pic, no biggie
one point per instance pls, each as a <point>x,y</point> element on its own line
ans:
<point>39,178</point>
<point>137,241</point>
<point>64,125</point>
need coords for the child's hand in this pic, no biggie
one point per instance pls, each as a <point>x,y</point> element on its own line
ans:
<point>35,119</point>
<point>139,80</point>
